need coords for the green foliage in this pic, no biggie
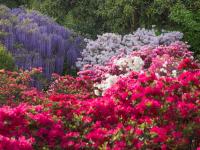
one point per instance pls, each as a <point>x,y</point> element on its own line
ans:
<point>188,21</point>
<point>15,3</point>
<point>121,16</point>
<point>57,9</point>
<point>85,18</point>
<point>118,15</point>
<point>67,71</point>
<point>6,60</point>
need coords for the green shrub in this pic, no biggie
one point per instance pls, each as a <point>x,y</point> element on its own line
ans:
<point>6,59</point>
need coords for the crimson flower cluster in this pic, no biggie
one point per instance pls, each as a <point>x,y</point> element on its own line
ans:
<point>147,109</point>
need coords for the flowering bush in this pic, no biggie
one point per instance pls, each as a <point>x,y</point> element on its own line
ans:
<point>140,111</point>
<point>15,87</point>
<point>148,99</point>
<point>125,65</point>
<point>81,87</point>
<point>11,143</point>
<point>37,125</point>
<point>109,44</point>
<point>162,60</point>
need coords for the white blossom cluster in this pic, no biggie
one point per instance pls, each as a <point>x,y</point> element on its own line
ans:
<point>106,46</point>
<point>126,64</point>
<point>105,84</point>
<point>174,73</point>
<point>129,63</point>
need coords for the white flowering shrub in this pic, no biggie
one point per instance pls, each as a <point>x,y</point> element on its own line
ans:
<point>101,50</point>
<point>129,63</point>
<point>124,66</point>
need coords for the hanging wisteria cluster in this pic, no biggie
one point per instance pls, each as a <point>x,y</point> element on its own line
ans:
<point>106,46</point>
<point>36,40</point>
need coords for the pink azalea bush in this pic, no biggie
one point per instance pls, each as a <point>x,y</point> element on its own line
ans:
<point>153,102</point>
<point>140,111</point>
<point>81,87</point>
<point>13,85</point>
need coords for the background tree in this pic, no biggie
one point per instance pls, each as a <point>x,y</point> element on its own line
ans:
<point>57,9</point>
